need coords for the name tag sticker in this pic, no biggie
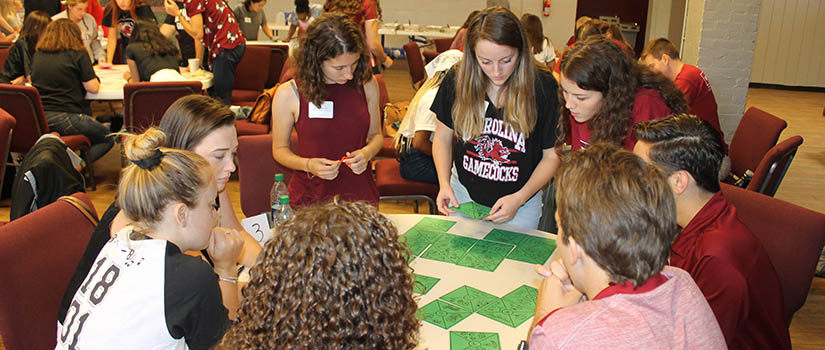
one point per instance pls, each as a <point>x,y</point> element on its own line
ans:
<point>325,112</point>
<point>247,19</point>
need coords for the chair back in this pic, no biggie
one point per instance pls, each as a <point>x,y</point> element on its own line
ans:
<point>288,70</point>
<point>257,169</point>
<point>793,237</point>
<point>144,103</point>
<point>4,53</point>
<point>442,44</point>
<point>36,264</point>
<point>23,103</point>
<point>415,62</point>
<point>251,75</point>
<point>757,132</point>
<point>6,126</point>
<point>383,95</point>
<point>770,171</point>
<point>277,58</point>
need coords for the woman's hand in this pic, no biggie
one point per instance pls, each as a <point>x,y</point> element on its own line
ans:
<point>225,246</point>
<point>445,200</point>
<point>356,161</point>
<point>505,208</point>
<point>171,8</point>
<point>324,168</point>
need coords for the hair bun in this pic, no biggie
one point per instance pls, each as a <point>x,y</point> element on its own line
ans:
<point>145,145</point>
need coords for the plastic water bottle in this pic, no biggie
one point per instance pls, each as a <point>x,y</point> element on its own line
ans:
<point>285,211</point>
<point>278,189</point>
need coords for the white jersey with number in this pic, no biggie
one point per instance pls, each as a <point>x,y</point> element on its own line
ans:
<point>121,295</point>
<point>144,294</point>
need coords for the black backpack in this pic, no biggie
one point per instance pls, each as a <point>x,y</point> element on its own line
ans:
<point>45,175</point>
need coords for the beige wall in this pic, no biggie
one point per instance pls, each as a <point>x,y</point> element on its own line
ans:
<point>790,44</point>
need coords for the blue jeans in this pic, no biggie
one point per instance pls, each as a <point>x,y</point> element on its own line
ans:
<point>80,124</point>
<point>418,166</point>
<point>223,70</point>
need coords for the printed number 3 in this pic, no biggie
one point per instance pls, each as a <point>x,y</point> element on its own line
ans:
<point>95,297</point>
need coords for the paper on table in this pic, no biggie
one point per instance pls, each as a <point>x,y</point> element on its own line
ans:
<point>472,210</point>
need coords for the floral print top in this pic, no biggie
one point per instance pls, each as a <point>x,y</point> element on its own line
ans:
<point>220,28</point>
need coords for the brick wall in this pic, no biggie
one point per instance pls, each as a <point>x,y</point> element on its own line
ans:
<point>720,39</point>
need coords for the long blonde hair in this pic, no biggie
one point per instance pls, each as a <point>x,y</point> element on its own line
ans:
<point>498,25</point>
<point>408,121</point>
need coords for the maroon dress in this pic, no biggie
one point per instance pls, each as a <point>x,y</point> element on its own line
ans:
<point>332,139</point>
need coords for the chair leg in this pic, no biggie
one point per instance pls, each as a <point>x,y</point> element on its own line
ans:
<point>415,205</point>
<point>89,170</point>
<point>433,210</point>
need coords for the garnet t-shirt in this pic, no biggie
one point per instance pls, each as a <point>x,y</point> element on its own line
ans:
<point>500,161</point>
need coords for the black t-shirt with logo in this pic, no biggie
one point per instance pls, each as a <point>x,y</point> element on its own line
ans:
<point>185,41</point>
<point>500,161</point>
<point>126,24</point>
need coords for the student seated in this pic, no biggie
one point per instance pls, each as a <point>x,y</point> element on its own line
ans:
<point>727,261</point>
<point>17,69</point>
<point>414,140</point>
<point>611,287</point>
<point>542,48</point>
<point>151,56</point>
<point>663,57</point>
<point>143,292</point>
<point>333,276</point>
<point>62,74</point>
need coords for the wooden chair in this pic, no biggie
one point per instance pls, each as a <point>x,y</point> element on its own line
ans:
<point>23,103</point>
<point>36,264</point>
<point>771,170</point>
<point>416,64</point>
<point>757,132</point>
<point>391,186</point>
<point>792,236</point>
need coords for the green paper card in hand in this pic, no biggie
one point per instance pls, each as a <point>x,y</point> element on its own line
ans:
<point>473,210</point>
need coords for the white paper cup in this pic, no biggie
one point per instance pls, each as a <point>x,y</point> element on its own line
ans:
<point>194,65</point>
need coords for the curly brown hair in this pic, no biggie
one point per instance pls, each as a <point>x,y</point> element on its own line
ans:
<point>61,35</point>
<point>329,36</point>
<point>350,7</point>
<point>599,64</point>
<point>334,276</point>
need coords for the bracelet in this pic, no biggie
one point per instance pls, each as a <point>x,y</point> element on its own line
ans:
<point>233,280</point>
<point>310,175</point>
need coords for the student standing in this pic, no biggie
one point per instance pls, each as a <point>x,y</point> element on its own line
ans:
<point>120,16</point>
<point>333,105</point>
<point>189,47</point>
<point>301,18</point>
<point>503,112</point>
<point>367,14</point>
<point>251,16</point>
<point>212,22</point>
